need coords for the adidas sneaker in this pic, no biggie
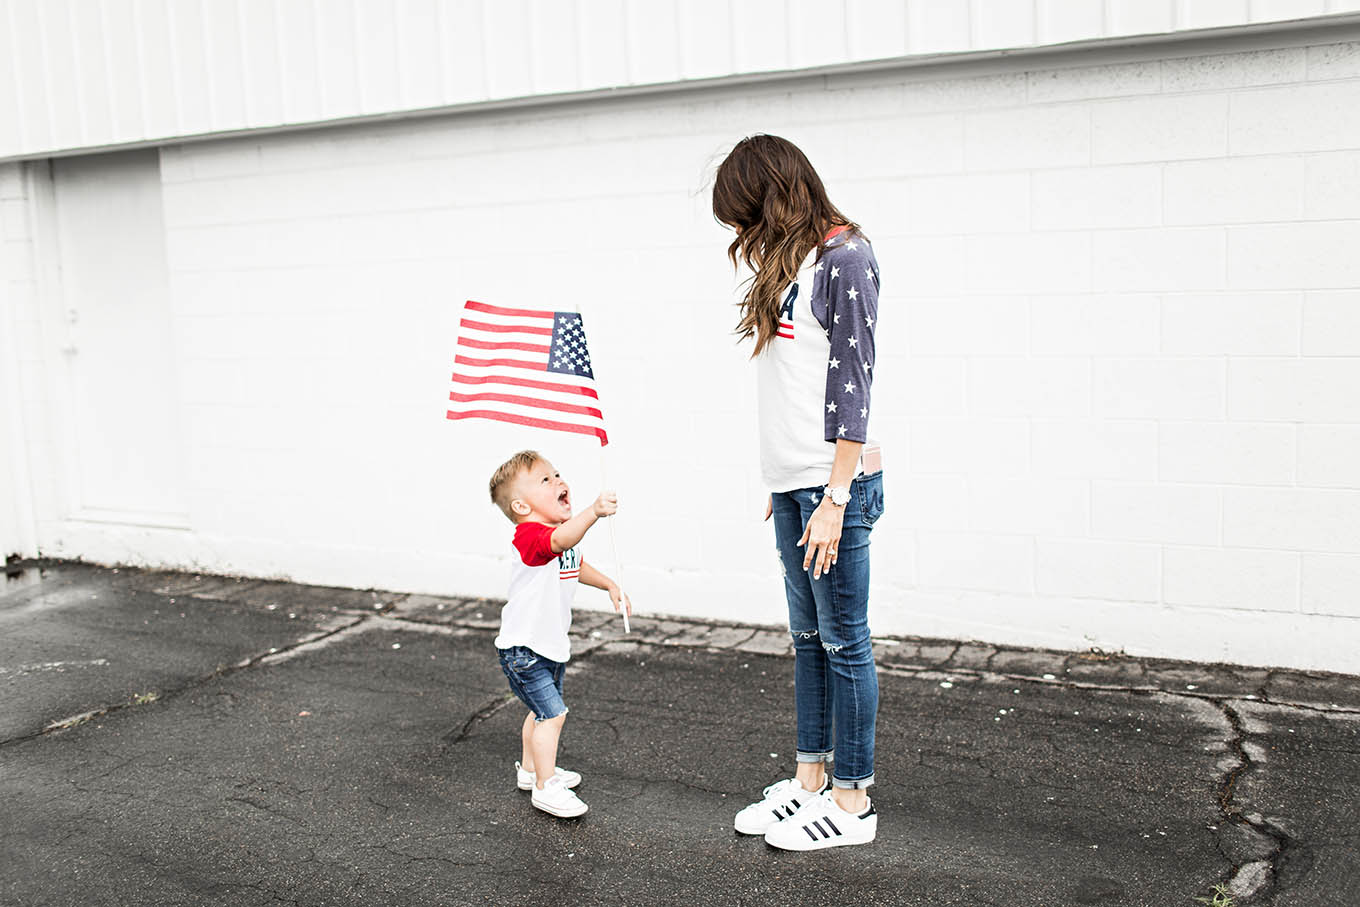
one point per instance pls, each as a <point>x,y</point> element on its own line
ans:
<point>780,801</point>
<point>823,824</point>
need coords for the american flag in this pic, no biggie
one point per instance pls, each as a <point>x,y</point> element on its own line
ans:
<point>527,367</point>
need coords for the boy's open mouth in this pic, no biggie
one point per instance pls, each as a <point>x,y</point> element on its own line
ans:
<point>564,499</point>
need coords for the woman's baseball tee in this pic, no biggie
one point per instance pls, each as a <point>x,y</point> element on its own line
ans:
<point>814,375</point>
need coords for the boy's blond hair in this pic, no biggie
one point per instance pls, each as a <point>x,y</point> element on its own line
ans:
<point>503,479</point>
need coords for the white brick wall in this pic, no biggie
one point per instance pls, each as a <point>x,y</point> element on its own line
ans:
<point>1120,344</point>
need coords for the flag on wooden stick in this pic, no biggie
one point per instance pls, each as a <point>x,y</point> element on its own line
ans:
<point>525,366</point>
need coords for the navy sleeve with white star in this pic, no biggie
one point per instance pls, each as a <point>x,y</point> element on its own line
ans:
<point>845,303</point>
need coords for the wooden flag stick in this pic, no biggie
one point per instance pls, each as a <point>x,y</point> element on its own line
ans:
<point>613,538</point>
<point>614,543</point>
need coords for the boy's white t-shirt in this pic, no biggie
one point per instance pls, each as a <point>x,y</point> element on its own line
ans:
<point>542,585</point>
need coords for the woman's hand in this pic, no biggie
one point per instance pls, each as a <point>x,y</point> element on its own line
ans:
<point>769,506</point>
<point>822,536</point>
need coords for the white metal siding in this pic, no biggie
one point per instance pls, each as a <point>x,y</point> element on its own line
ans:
<point>93,73</point>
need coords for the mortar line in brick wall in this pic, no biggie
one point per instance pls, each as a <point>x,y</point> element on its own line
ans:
<point>407,209</point>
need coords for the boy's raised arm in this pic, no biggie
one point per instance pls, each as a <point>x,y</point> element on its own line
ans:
<point>570,533</point>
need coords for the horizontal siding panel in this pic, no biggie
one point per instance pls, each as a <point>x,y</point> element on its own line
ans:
<point>263,74</point>
<point>816,34</point>
<point>760,34</point>
<point>89,73</point>
<point>124,70</point>
<point>226,65</point>
<point>189,56</point>
<point>61,73</point>
<point>418,53</point>
<point>91,56</point>
<point>157,68</point>
<point>29,74</point>
<point>604,41</point>
<point>462,26</point>
<point>11,122</point>
<point>505,37</point>
<point>339,63</point>
<point>653,44</point>
<point>298,57</point>
<point>378,57</point>
<point>876,29</point>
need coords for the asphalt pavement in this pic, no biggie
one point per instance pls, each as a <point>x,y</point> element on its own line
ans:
<point>172,739</point>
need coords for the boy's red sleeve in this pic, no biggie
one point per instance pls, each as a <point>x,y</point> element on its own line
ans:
<point>533,541</point>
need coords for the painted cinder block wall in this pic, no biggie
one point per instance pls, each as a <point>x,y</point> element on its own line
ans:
<point>1119,346</point>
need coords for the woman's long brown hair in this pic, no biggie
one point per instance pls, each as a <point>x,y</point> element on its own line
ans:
<point>767,190</point>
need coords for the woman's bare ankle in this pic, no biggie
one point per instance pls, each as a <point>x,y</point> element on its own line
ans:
<point>813,779</point>
<point>852,801</point>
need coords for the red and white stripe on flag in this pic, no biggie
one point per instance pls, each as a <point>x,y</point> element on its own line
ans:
<point>526,367</point>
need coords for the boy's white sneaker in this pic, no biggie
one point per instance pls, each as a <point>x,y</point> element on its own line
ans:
<point>781,800</point>
<point>823,824</point>
<point>554,798</point>
<point>525,780</point>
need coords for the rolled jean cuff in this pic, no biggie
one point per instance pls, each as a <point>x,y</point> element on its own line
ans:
<point>857,784</point>
<point>538,720</point>
<point>816,757</point>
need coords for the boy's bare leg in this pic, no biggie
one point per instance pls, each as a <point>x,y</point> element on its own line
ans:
<point>812,775</point>
<point>526,736</point>
<point>545,746</point>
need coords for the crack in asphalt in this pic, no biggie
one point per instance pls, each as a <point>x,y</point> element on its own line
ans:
<point>501,700</point>
<point>1288,859</point>
<point>275,653</point>
<point>490,708</point>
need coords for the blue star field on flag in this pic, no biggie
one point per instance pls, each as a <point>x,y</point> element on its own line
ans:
<point>569,355</point>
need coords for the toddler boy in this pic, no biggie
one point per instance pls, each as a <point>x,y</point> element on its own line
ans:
<point>533,643</point>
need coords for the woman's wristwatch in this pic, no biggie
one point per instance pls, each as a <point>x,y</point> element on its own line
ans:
<point>839,494</point>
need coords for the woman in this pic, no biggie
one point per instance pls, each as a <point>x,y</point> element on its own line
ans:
<point>810,310</point>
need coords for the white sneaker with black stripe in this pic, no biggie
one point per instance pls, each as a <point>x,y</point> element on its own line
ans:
<point>781,800</point>
<point>525,780</point>
<point>822,824</point>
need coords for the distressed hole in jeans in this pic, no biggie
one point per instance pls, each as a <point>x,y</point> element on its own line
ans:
<point>833,649</point>
<point>804,634</point>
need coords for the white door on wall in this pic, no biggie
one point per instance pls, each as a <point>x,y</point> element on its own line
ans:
<point>123,417</point>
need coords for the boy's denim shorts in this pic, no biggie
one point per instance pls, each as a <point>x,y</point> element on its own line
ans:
<point>536,680</point>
